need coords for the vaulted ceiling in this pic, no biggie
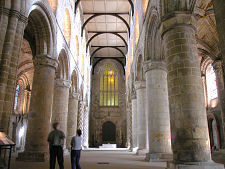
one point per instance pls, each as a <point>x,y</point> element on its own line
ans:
<point>107,25</point>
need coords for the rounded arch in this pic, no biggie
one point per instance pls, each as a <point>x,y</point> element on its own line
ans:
<point>100,33</point>
<point>213,130</point>
<point>103,47</point>
<point>39,31</point>
<point>153,41</point>
<point>62,71</point>
<point>67,26</point>
<point>110,14</point>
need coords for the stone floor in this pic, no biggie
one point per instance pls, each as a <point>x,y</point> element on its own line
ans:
<point>99,160</point>
<point>107,160</point>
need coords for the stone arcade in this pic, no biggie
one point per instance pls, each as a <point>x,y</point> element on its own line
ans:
<point>145,76</point>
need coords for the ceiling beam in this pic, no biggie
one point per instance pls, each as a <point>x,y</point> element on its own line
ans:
<point>94,15</point>
<point>107,32</point>
<point>130,1</point>
<point>113,47</point>
<point>100,33</point>
<point>97,46</point>
<point>113,58</point>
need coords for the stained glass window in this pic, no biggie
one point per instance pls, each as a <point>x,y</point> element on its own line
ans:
<point>211,84</point>
<point>109,87</point>
<point>16,96</point>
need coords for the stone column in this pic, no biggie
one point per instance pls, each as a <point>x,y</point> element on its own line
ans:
<point>72,117</point>
<point>39,121</point>
<point>140,87</point>
<point>129,125</point>
<point>158,111</point>
<point>12,27</point>
<point>134,121</point>
<point>219,7</point>
<point>60,103</point>
<point>204,89</point>
<point>217,65</point>
<point>80,124</point>
<point>85,126</point>
<point>189,128</point>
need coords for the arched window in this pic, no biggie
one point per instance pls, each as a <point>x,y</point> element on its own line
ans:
<point>136,31</point>
<point>16,96</point>
<point>109,87</point>
<point>67,26</point>
<point>211,83</point>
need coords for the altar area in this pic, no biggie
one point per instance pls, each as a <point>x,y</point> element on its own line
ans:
<point>107,147</point>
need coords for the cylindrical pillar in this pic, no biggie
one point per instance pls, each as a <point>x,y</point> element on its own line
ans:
<point>134,120</point>
<point>218,67</point>
<point>140,87</point>
<point>12,29</point>
<point>158,111</point>
<point>39,121</point>
<point>189,129</point>
<point>72,117</point>
<point>85,126</point>
<point>60,103</point>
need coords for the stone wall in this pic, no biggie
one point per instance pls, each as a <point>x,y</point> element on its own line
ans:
<point>100,115</point>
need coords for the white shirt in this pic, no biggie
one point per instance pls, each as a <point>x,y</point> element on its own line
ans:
<point>76,143</point>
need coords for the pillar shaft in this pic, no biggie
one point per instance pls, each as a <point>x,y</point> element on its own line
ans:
<point>140,87</point>
<point>60,103</point>
<point>85,126</point>
<point>12,29</point>
<point>72,117</point>
<point>40,113</point>
<point>189,129</point>
<point>219,7</point>
<point>134,121</point>
<point>217,65</point>
<point>157,110</point>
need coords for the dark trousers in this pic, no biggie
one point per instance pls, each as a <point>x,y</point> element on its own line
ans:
<point>56,151</point>
<point>75,159</point>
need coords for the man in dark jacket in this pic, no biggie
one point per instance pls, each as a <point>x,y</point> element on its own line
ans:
<point>56,140</point>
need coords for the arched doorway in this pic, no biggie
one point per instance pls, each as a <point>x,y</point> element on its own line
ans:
<point>108,132</point>
<point>213,132</point>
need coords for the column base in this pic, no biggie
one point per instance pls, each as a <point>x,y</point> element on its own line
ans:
<point>135,149</point>
<point>159,157</point>
<point>195,165</point>
<point>141,151</point>
<point>30,156</point>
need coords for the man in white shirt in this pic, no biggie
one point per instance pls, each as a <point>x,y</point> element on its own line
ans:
<point>76,150</point>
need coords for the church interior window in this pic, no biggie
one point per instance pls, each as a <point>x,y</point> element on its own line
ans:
<point>16,96</point>
<point>211,83</point>
<point>109,87</point>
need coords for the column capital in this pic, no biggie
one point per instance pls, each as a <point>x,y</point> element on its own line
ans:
<point>45,60</point>
<point>176,20</point>
<point>62,83</point>
<point>74,95</point>
<point>140,85</point>
<point>217,65</point>
<point>152,65</point>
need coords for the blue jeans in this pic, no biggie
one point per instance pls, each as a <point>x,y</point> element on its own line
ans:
<point>75,159</point>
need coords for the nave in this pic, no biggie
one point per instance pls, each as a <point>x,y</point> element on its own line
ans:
<point>99,160</point>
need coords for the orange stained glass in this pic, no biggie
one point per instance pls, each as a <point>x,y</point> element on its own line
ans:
<point>109,87</point>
